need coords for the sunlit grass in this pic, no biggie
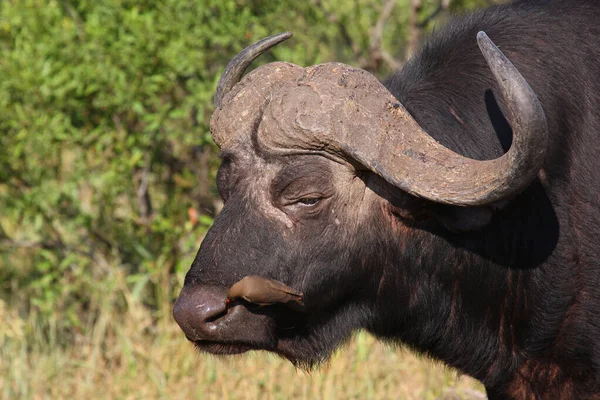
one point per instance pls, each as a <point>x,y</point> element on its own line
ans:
<point>133,357</point>
<point>127,350</point>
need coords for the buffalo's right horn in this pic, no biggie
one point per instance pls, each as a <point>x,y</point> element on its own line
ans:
<point>236,67</point>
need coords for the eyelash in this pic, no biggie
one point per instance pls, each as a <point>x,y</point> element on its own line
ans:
<point>309,201</point>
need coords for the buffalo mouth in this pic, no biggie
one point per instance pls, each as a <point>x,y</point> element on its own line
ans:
<point>218,327</point>
<point>246,327</point>
<point>239,329</point>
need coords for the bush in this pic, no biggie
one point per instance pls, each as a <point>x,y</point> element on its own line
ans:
<point>106,163</point>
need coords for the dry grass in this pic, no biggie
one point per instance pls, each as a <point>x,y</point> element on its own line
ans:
<point>133,357</point>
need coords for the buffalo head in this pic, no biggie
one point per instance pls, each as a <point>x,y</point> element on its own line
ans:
<point>325,177</point>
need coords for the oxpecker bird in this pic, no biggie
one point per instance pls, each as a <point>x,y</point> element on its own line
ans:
<point>264,291</point>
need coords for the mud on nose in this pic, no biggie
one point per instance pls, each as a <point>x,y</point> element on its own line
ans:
<point>196,307</point>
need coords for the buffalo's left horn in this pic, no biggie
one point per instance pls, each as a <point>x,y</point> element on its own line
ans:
<point>236,67</point>
<point>413,161</point>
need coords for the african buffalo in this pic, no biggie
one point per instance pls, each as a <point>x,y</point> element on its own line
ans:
<point>455,208</point>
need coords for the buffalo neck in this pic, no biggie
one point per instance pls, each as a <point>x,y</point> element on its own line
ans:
<point>470,299</point>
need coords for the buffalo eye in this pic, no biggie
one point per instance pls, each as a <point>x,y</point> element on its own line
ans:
<point>309,201</point>
<point>308,205</point>
<point>302,186</point>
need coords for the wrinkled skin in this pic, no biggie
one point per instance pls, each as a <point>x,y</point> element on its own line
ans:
<point>330,274</point>
<point>507,293</point>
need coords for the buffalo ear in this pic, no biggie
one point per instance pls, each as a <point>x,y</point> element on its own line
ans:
<point>451,218</point>
<point>416,210</point>
<point>463,219</point>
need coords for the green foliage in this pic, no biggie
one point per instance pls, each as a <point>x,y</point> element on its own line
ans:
<point>106,161</point>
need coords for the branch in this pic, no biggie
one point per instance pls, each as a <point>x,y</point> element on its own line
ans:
<point>413,27</point>
<point>348,40</point>
<point>345,35</point>
<point>76,17</point>
<point>58,239</point>
<point>376,36</point>
<point>390,60</point>
<point>376,52</point>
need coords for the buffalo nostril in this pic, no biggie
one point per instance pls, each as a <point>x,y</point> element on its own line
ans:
<point>215,315</point>
<point>198,306</point>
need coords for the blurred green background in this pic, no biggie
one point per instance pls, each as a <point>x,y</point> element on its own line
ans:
<point>107,187</point>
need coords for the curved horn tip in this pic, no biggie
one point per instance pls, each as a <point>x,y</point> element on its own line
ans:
<point>481,35</point>
<point>237,66</point>
<point>283,35</point>
<point>485,43</point>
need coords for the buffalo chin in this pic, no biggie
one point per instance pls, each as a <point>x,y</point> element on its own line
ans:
<point>224,349</point>
<point>303,352</point>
